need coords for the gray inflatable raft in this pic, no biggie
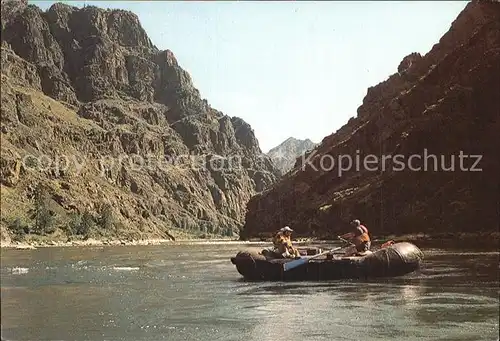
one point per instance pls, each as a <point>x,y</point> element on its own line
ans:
<point>395,260</point>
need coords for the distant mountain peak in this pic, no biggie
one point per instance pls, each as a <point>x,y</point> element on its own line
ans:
<point>285,154</point>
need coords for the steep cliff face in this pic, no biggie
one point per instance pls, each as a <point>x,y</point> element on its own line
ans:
<point>286,153</point>
<point>444,103</point>
<point>93,111</point>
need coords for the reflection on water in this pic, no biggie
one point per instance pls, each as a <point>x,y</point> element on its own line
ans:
<point>193,292</point>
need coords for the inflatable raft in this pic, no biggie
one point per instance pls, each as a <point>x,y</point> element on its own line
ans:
<point>395,260</point>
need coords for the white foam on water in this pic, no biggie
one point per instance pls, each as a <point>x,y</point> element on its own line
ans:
<point>19,271</point>
<point>213,261</point>
<point>125,268</point>
<point>80,265</point>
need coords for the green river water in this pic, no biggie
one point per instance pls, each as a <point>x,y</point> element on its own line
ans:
<point>193,292</point>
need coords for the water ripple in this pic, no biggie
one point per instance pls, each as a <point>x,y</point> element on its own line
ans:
<point>194,293</point>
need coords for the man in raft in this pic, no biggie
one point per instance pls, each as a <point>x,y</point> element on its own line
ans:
<point>282,242</point>
<point>360,238</point>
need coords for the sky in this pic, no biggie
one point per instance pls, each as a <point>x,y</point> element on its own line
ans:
<point>289,68</point>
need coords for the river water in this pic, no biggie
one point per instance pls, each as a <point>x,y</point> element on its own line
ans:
<point>193,292</point>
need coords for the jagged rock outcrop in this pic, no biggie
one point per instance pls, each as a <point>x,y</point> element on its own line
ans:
<point>286,153</point>
<point>95,112</point>
<point>10,8</point>
<point>444,103</point>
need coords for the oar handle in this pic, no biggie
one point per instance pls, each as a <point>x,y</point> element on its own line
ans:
<point>301,261</point>
<point>324,253</point>
<point>344,240</point>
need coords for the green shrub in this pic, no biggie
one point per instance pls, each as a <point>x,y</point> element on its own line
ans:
<point>42,216</point>
<point>106,219</point>
<point>86,225</point>
<point>75,221</point>
<point>19,229</point>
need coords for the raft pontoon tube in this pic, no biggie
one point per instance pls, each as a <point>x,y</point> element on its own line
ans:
<point>396,260</point>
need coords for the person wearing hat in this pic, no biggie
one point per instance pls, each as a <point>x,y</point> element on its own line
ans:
<point>359,237</point>
<point>282,242</point>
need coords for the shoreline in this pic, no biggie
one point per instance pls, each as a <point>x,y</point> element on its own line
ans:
<point>463,240</point>
<point>473,240</point>
<point>115,242</point>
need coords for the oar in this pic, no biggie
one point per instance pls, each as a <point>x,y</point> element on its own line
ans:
<point>298,262</point>
<point>387,243</point>
<point>345,241</point>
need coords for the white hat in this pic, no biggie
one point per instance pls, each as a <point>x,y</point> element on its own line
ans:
<point>286,228</point>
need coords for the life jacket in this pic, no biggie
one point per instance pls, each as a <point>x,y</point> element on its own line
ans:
<point>280,239</point>
<point>363,237</point>
<point>282,242</point>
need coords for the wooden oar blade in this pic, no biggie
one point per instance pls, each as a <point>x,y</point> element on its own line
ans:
<point>301,261</point>
<point>295,263</point>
